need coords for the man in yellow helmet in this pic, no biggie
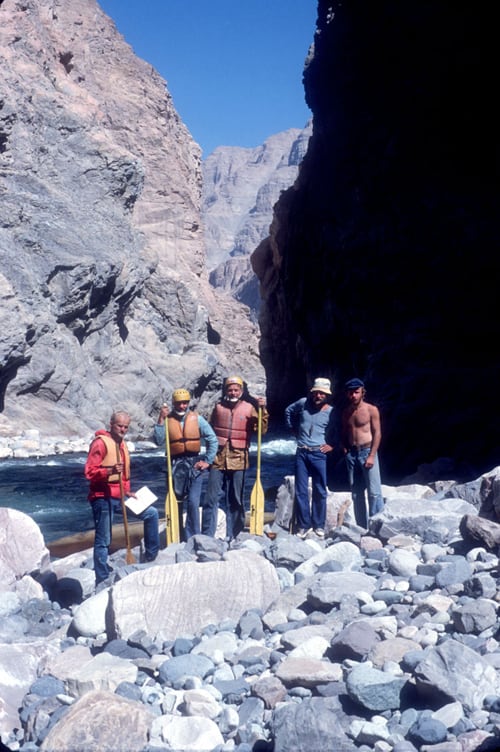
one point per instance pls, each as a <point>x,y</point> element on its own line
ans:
<point>234,420</point>
<point>186,430</point>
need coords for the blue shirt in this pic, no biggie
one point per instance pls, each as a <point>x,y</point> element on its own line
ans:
<point>207,433</point>
<point>312,427</point>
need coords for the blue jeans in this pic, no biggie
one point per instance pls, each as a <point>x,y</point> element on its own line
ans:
<point>231,482</point>
<point>103,511</point>
<point>361,479</point>
<point>192,526</point>
<point>310,464</point>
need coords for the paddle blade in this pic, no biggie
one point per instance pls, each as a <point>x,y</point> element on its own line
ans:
<point>257,509</point>
<point>172,518</point>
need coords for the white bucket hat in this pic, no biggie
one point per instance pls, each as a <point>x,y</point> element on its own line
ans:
<point>322,385</point>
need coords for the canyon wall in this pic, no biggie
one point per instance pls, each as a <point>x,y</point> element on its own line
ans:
<point>240,187</point>
<point>105,300</point>
<point>382,261</point>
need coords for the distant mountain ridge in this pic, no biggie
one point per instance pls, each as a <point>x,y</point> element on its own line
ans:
<point>240,188</point>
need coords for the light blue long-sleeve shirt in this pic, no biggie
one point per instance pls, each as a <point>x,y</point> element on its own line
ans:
<point>206,432</point>
<point>312,427</point>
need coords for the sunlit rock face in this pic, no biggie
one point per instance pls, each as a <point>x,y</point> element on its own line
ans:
<point>383,259</point>
<point>240,187</point>
<point>105,299</point>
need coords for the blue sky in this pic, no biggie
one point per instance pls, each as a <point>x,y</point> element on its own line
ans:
<point>233,67</point>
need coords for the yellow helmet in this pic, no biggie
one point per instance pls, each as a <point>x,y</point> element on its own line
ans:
<point>181,395</point>
<point>234,380</point>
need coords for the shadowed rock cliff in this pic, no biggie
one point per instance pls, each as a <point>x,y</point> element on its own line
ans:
<point>105,295</point>
<point>383,259</point>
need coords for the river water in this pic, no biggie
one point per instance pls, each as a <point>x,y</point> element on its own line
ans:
<point>53,490</point>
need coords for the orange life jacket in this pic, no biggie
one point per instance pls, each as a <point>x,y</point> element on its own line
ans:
<point>112,456</point>
<point>233,424</point>
<point>184,437</point>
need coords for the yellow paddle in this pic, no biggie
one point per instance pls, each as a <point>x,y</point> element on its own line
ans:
<point>257,495</point>
<point>130,558</point>
<point>171,504</point>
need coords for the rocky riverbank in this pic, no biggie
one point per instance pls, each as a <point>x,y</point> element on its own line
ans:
<point>383,639</point>
<point>32,443</point>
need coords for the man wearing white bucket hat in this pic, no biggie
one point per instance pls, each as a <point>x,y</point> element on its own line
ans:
<point>311,419</point>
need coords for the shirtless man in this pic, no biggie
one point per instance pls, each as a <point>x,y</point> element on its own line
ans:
<point>361,435</point>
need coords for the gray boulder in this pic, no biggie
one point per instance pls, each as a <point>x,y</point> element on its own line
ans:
<point>433,521</point>
<point>313,724</point>
<point>454,672</point>
<point>22,547</point>
<point>101,722</point>
<point>374,689</point>
<point>183,598</point>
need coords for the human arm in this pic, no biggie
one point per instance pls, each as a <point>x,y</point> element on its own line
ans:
<point>159,434</point>
<point>207,433</point>
<point>292,416</point>
<point>159,429</point>
<point>344,432</point>
<point>265,415</point>
<point>260,402</point>
<point>376,432</point>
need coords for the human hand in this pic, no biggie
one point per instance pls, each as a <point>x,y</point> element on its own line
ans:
<point>325,448</point>
<point>369,462</point>
<point>201,465</point>
<point>164,411</point>
<point>261,401</point>
<point>116,469</point>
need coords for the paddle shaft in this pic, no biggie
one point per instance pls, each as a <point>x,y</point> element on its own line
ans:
<point>257,495</point>
<point>130,556</point>
<point>171,505</point>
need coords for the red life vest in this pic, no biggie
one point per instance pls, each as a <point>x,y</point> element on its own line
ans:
<point>233,424</point>
<point>184,438</point>
<point>113,456</point>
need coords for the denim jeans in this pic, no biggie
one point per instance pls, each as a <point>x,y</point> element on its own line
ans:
<point>231,482</point>
<point>103,511</point>
<point>192,526</point>
<point>310,464</point>
<point>361,479</point>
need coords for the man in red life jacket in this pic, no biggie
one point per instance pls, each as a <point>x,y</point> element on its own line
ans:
<point>108,458</point>
<point>234,420</point>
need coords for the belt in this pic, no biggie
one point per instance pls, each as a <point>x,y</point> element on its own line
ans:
<point>310,449</point>
<point>357,447</point>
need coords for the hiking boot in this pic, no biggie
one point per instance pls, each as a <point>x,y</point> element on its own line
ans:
<point>302,533</point>
<point>319,532</point>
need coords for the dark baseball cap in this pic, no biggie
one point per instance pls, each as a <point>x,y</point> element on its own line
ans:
<point>354,384</point>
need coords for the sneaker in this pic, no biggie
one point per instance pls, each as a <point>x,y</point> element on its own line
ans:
<point>303,533</point>
<point>319,532</point>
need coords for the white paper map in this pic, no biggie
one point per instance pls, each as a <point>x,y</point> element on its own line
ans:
<point>143,499</point>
